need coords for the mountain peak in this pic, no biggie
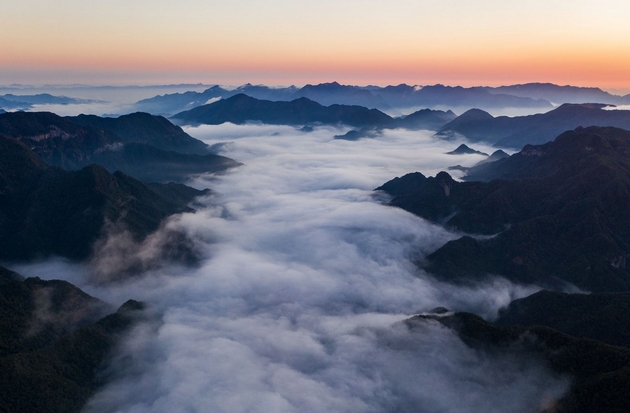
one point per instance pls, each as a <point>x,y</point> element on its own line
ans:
<point>464,149</point>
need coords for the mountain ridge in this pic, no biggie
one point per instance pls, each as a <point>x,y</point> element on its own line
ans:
<point>562,219</point>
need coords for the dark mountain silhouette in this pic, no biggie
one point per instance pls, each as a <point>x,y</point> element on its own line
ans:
<point>518,131</point>
<point>564,217</point>
<point>603,317</point>
<point>46,210</point>
<point>465,150</point>
<point>426,119</point>
<point>156,131</point>
<point>600,373</point>
<point>55,343</point>
<point>75,142</point>
<point>366,132</point>
<point>149,164</point>
<point>242,108</point>
<point>171,104</point>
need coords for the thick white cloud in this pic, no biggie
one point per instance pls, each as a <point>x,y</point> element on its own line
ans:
<point>305,275</point>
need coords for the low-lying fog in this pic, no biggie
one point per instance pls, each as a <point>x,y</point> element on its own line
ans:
<point>306,273</point>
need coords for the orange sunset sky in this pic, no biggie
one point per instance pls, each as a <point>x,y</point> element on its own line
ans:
<point>282,42</point>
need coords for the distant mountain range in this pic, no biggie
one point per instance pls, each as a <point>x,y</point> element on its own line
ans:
<point>138,144</point>
<point>536,96</point>
<point>559,213</point>
<point>475,124</point>
<point>515,132</point>
<point>385,98</point>
<point>561,94</point>
<point>25,102</point>
<point>242,109</point>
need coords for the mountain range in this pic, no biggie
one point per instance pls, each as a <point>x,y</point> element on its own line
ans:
<point>515,132</point>
<point>241,108</point>
<point>558,214</point>
<point>535,96</point>
<point>138,144</point>
<point>374,97</point>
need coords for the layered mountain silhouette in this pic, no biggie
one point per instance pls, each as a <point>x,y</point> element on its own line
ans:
<point>374,97</point>
<point>516,132</point>
<point>55,343</point>
<point>47,210</point>
<point>425,119</point>
<point>156,131</point>
<point>599,373</point>
<point>25,102</point>
<point>334,93</point>
<point>562,216</point>
<point>561,94</point>
<point>147,147</point>
<point>242,108</point>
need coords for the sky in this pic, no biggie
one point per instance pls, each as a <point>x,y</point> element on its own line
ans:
<point>282,42</point>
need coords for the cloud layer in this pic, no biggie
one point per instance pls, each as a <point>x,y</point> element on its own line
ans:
<point>304,279</point>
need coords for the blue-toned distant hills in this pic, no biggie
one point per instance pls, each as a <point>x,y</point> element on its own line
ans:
<point>535,96</point>
<point>515,132</point>
<point>25,102</point>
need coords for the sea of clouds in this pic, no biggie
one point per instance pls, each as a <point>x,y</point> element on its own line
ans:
<point>305,277</point>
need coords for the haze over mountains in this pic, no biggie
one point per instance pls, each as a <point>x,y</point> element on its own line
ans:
<point>46,210</point>
<point>293,269</point>
<point>516,132</point>
<point>241,109</point>
<point>55,340</point>
<point>534,96</point>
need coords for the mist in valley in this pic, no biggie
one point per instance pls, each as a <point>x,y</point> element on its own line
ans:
<point>305,277</point>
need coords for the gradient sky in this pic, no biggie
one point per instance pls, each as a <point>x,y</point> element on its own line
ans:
<point>281,42</point>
